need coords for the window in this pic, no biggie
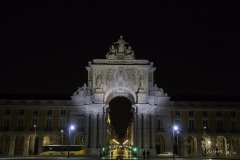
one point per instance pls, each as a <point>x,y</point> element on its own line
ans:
<point>21,112</point>
<point>219,114</point>
<point>191,124</point>
<point>177,122</point>
<point>7,112</point>
<point>219,124</point>
<point>63,112</point>
<point>6,124</point>
<point>48,124</point>
<point>233,114</point>
<point>204,113</point>
<point>177,113</point>
<point>49,112</point>
<point>62,123</point>
<point>159,124</point>
<point>234,125</point>
<point>205,123</point>
<point>81,124</point>
<point>20,124</point>
<point>35,112</point>
<point>191,113</point>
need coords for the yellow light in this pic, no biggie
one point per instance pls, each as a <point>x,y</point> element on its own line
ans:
<point>115,141</point>
<point>125,141</point>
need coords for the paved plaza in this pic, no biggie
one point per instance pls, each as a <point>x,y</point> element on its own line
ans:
<point>107,158</point>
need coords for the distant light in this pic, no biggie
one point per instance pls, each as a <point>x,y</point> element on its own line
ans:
<point>125,141</point>
<point>34,125</point>
<point>175,128</point>
<point>115,141</point>
<point>135,149</point>
<point>72,127</point>
<point>61,131</point>
<point>209,142</point>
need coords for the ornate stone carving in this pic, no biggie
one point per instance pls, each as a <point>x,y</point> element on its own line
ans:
<point>141,82</point>
<point>120,50</point>
<point>82,91</point>
<point>158,92</point>
<point>99,82</point>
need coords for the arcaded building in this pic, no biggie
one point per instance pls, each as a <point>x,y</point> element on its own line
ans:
<point>204,128</point>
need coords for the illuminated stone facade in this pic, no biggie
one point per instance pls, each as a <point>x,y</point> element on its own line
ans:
<point>204,127</point>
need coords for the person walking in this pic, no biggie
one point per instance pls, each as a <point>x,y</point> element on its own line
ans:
<point>144,154</point>
<point>148,154</point>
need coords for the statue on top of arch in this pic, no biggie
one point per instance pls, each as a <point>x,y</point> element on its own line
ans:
<point>83,91</point>
<point>120,50</point>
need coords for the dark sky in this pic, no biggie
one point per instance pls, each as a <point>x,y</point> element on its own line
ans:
<point>46,46</point>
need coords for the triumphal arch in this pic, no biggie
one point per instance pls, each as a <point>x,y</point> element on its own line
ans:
<point>119,75</point>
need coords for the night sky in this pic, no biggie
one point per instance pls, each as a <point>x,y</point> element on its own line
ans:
<point>46,46</point>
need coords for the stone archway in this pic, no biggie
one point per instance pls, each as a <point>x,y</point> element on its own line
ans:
<point>4,145</point>
<point>160,144</point>
<point>120,112</point>
<point>19,143</point>
<point>221,145</point>
<point>120,124</point>
<point>33,144</point>
<point>120,92</point>
<point>191,145</point>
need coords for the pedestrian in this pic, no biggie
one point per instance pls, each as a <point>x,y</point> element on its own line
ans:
<point>148,153</point>
<point>144,154</point>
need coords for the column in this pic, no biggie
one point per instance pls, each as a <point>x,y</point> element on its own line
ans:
<point>139,131</point>
<point>199,146</point>
<point>94,131</point>
<point>153,149</point>
<point>103,128</point>
<point>146,129</point>
<point>40,144</point>
<point>12,146</point>
<point>135,129</point>
<point>26,146</point>
<point>87,137</point>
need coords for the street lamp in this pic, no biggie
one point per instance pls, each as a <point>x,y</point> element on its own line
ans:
<point>71,128</point>
<point>35,128</point>
<point>61,136</point>
<point>177,143</point>
<point>204,141</point>
<point>174,128</point>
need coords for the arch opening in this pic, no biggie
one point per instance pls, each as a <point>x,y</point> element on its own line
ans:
<point>121,116</point>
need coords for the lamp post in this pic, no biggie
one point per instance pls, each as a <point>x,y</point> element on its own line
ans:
<point>35,128</point>
<point>61,136</point>
<point>174,128</point>
<point>204,141</point>
<point>177,143</point>
<point>71,128</point>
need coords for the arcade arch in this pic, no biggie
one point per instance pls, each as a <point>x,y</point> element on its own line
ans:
<point>120,112</point>
<point>4,145</point>
<point>160,144</point>
<point>33,144</point>
<point>19,143</point>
